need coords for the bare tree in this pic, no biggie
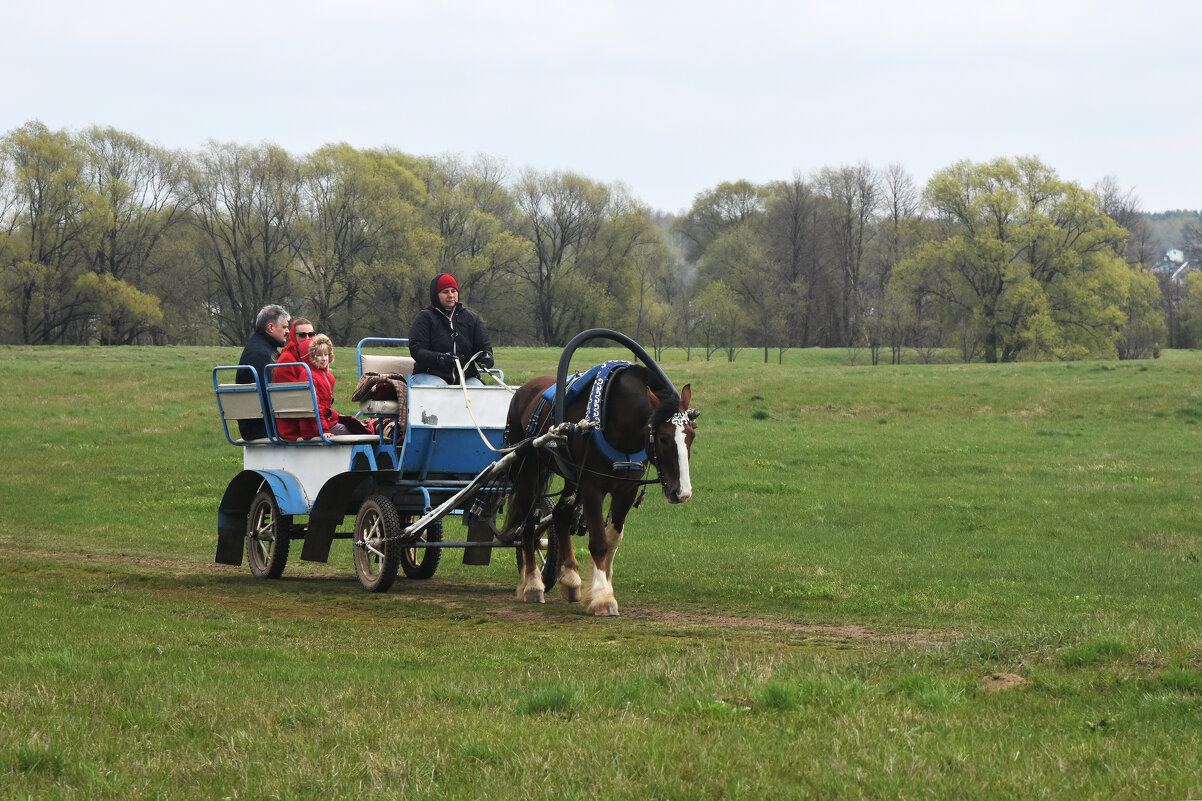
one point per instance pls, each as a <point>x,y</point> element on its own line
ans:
<point>1123,206</point>
<point>563,213</point>
<point>854,196</point>
<point>246,200</point>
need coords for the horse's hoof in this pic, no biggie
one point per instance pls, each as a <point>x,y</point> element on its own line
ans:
<point>609,610</point>
<point>571,594</point>
<point>535,597</point>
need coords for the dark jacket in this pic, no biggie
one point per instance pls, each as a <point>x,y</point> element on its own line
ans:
<point>260,351</point>
<point>437,337</point>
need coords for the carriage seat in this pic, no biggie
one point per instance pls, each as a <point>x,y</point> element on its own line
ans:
<point>240,402</point>
<point>384,365</point>
<point>297,401</point>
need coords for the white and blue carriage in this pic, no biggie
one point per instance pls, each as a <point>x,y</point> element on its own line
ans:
<point>436,453</point>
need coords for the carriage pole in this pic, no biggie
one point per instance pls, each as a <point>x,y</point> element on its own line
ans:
<point>558,432</point>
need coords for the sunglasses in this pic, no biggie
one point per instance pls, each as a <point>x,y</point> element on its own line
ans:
<point>305,334</point>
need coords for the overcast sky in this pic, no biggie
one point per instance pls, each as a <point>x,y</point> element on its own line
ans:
<point>668,98</point>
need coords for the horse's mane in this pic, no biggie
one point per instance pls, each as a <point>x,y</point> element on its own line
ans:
<point>669,401</point>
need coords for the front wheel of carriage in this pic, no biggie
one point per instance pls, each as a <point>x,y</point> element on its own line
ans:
<point>422,563</point>
<point>377,543</point>
<point>267,536</point>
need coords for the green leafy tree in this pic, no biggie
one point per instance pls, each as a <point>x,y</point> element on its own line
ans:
<point>1189,313</point>
<point>721,319</point>
<point>563,215</point>
<point>477,220</point>
<point>361,221</point>
<point>1028,261</point>
<point>626,262</point>
<point>47,229</point>
<point>714,212</point>
<point>136,189</point>
<point>1143,324</point>
<point>120,312</point>
<point>138,195</point>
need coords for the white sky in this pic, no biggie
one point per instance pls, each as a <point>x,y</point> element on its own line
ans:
<point>669,98</point>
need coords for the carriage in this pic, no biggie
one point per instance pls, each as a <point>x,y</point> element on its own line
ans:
<point>437,452</point>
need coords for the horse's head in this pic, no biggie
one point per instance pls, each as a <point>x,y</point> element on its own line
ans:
<point>672,432</point>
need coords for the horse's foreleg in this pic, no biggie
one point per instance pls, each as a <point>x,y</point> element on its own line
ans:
<point>599,595</point>
<point>613,538</point>
<point>619,506</point>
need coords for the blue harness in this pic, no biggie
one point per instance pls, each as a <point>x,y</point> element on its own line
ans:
<point>601,376</point>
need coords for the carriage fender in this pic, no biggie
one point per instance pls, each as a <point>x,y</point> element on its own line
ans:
<point>342,495</point>
<point>235,505</point>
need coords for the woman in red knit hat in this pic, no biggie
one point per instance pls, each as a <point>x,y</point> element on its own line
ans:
<point>445,333</point>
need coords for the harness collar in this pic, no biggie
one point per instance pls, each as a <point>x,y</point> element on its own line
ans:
<point>601,376</point>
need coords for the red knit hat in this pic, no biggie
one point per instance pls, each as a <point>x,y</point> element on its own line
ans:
<point>446,280</point>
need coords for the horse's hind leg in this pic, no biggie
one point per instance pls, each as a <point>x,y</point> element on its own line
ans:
<point>523,510</point>
<point>569,570</point>
<point>530,582</point>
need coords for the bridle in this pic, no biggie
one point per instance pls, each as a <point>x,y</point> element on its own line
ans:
<point>681,420</point>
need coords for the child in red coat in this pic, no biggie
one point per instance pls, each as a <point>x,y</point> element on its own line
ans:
<point>319,357</point>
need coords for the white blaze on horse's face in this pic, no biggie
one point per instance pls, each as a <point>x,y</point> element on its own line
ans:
<point>680,424</point>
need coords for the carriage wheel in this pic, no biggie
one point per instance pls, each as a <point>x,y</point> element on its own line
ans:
<point>377,543</point>
<point>421,563</point>
<point>267,536</point>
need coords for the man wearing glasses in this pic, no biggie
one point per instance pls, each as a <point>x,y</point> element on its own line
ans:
<point>262,349</point>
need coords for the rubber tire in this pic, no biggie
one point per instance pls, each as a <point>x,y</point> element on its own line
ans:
<point>426,565</point>
<point>267,536</point>
<point>379,523</point>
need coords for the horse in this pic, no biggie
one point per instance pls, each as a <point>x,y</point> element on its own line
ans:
<point>641,415</point>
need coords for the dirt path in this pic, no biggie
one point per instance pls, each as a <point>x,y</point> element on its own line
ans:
<point>454,596</point>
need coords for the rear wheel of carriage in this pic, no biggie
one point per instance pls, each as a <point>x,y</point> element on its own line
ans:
<point>377,543</point>
<point>421,563</point>
<point>546,549</point>
<point>267,536</point>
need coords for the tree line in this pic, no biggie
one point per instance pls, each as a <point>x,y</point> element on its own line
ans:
<point>108,239</point>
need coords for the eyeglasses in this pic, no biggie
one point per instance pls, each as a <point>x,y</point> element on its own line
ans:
<point>305,334</point>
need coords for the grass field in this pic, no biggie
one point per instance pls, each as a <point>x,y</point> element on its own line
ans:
<point>972,581</point>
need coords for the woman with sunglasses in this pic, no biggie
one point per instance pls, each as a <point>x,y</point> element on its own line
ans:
<point>300,336</point>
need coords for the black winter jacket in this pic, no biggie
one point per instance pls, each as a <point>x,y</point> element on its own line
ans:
<point>436,337</point>
<point>260,351</point>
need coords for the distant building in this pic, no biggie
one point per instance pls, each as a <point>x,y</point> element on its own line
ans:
<point>1173,265</point>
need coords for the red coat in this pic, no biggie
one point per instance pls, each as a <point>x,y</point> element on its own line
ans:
<point>290,372</point>
<point>323,385</point>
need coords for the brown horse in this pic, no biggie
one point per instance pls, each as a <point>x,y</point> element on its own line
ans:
<point>636,419</point>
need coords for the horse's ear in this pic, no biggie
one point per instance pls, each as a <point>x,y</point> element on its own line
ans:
<point>686,396</point>
<point>651,396</point>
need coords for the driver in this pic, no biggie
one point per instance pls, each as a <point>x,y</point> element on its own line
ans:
<point>446,332</point>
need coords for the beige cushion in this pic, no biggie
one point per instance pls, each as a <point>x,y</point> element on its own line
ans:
<point>353,439</point>
<point>401,365</point>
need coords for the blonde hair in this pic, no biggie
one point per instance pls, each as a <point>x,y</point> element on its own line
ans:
<point>321,342</point>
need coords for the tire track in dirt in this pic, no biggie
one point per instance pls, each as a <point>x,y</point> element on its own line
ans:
<point>453,596</point>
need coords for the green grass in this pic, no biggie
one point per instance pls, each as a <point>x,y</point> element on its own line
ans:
<point>977,581</point>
